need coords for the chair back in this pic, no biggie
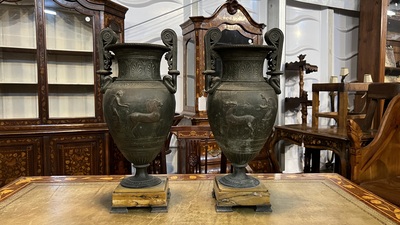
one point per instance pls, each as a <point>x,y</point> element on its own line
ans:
<point>378,92</point>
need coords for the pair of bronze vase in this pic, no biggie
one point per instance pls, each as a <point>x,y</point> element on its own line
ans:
<point>139,105</point>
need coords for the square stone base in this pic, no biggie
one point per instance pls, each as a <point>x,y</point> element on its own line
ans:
<point>156,197</point>
<point>227,197</point>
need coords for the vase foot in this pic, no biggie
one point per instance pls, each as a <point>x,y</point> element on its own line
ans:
<point>245,181</point>
<point>139,182</point>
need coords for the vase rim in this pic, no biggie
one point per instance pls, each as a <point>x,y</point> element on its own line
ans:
<point>244,46</point>
<point>137,45</point>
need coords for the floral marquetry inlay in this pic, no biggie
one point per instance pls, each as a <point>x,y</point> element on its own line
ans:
<point>77,155</point>
<point>15,164</point>
<point>17,158</point>
<point>77,161</point>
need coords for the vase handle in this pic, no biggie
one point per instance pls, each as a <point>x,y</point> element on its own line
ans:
<point>169,38</point>
<point>211,38</point>
<point>274,37</point>
<point>213,85</point>
<point>169,82</point>
<point>107,37</point>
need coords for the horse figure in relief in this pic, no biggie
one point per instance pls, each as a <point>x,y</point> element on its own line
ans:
<point>243,120</point>
<point>152,115</point>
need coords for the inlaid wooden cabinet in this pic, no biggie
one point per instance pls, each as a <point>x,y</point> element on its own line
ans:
<point>51,118</point>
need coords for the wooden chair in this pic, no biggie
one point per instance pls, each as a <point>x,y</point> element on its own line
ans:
<point>362,132</point>
<point>376,166</point>
<point>342,90</point>
<point>377,92</point>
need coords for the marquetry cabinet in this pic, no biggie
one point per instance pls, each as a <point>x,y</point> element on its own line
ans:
<point>51,119</point>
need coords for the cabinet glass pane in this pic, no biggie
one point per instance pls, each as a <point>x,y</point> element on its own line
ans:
<point>67,29</point>
<point>67,101</point>
<point>17,67</point>
<point>191,74</point>
<point>70,69</point>
<point>392,59</point>
<point>18,101</point>
<point>17,24</point>
<point>18,63</point>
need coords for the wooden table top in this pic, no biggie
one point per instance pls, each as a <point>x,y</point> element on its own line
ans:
<point>295,199</point>
<point>328,131</point>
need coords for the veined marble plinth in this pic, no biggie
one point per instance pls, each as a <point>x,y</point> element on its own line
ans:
<point>156,197</point>
<point>228,197</point>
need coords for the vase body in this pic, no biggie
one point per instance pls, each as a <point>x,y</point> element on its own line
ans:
<point>138,108</point>
<point>242,109</point>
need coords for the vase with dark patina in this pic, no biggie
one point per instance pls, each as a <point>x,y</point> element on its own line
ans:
<point>138,104</point>
<point>241,103</point>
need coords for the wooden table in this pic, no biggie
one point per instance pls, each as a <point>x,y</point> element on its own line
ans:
<point>295,198</point>
<point>329,138</point>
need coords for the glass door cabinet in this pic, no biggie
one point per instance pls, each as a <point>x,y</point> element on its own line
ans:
<point>51,119</point>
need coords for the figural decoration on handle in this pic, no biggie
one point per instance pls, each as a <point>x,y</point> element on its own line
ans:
<point>211,38</point>
<point>274,37</point>
<point>169,38</point>
<point>107,37</point>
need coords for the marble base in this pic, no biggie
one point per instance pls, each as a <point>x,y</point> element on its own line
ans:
<point>228,197</point>
<point>156,197</point>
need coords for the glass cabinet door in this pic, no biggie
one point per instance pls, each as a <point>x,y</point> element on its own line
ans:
<point>392,59</point>
<point>18,62</point>
<point>70,67</point>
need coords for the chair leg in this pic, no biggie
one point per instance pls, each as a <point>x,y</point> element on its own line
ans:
<point>311,160</point>
<point>337,164</point>
<point>315,157</point>
<point>307,160</point>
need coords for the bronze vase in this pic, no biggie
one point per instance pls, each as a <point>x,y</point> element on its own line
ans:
<point>241,103</point>
<point>139,105</point>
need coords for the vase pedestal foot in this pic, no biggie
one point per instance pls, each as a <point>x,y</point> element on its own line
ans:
<point>228,197</point>
<point>156,197</point>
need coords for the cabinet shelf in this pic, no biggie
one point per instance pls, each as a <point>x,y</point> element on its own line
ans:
<point>71,85</point>
<point>69,52</point>
<point>7,49</point>
<point>11,84</point>
<point>392,71</point>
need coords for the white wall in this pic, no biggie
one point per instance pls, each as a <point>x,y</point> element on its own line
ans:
<point>329,38</point>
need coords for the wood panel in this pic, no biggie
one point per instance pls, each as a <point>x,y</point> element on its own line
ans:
<point>20,157</point>
<point>372,39</point>
<point>77,154</point>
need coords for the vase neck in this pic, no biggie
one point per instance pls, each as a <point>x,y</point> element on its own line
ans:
<point>242,63</point>
<point>138,61</point>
